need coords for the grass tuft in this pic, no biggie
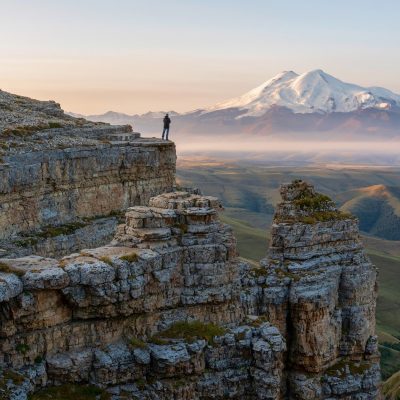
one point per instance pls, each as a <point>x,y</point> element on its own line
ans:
<point>106,260</point>
<point>66,229</point>
<point>133,257</point>
<point>313,203</point>
<point>157,340</point>
<point>136,343</point>
<point>191,331</point>
<point>258,271</point>
<point>27,242</point>
<point>53,125</point>
<point>355,368</point>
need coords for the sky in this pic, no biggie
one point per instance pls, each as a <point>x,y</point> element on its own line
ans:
<point>134,56</point>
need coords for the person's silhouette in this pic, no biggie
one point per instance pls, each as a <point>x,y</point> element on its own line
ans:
<point>167,121</point>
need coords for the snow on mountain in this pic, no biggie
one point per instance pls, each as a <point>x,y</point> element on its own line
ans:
<point>311,92</point>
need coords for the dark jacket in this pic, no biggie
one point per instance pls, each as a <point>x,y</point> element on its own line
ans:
<point>167,121</point>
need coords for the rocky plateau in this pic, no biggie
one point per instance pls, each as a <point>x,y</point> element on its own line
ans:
<point>113,279</point>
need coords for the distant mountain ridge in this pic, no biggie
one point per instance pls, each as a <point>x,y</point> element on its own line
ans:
<point>288,103</point>
<point>314,91</point>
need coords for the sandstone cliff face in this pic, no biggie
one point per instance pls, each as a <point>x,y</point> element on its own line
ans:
<point>168,311</point>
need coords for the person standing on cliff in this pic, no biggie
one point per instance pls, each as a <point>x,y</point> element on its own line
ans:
<point>167,121</point>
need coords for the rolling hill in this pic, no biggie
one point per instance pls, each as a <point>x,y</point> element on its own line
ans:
<point>378,209</point>
<point>391,388</point>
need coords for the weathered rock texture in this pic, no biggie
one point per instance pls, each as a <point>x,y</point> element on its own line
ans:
<point>168,311</point>
<point>320,290</point>
<point>63,181</point>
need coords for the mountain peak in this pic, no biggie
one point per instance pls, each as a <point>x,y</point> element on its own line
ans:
<point>285,75</point>
<point>310,92</point>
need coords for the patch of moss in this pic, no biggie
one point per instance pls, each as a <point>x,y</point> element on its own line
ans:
<point>25,130</point>
<point>259,271</point>
<point>22,348</point>
<point>355,367</point>
<point>53,125</point>
<point>359,368</point>
<point>70,391</point>
<point>136,343</point>
<point>157,340</point>
<point>191,331</point>
<point>308,220</point>
<point>106,260</point>
<point>318,208</point>
<point>318,216</point>
<point>324,216</point>
<point>132,257</point>
<point>66,229</point>
<point>30,241</point>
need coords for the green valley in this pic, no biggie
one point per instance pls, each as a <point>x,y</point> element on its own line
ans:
<point>250,190</point>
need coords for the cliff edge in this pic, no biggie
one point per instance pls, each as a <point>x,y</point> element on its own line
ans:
<point>167,310</point>
<point>65,182</point>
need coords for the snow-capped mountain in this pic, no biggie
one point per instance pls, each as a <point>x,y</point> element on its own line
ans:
<point>311,92</point>
<point>288,103</point>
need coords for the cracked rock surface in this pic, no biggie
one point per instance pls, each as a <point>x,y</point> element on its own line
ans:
<point>167,310</point>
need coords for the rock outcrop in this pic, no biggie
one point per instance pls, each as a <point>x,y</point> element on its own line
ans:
<point>167,310</point>
<point>64,182</point>
<point>320,290</point>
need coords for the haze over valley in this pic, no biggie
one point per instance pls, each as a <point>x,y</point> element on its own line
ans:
<point>313,106</point>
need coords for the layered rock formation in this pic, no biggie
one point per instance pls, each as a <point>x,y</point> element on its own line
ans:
<point>320,290</point>
<point>64,181</point>
<point>168,311</point>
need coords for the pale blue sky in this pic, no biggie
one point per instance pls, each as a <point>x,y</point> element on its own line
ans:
<point>134,56</point>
